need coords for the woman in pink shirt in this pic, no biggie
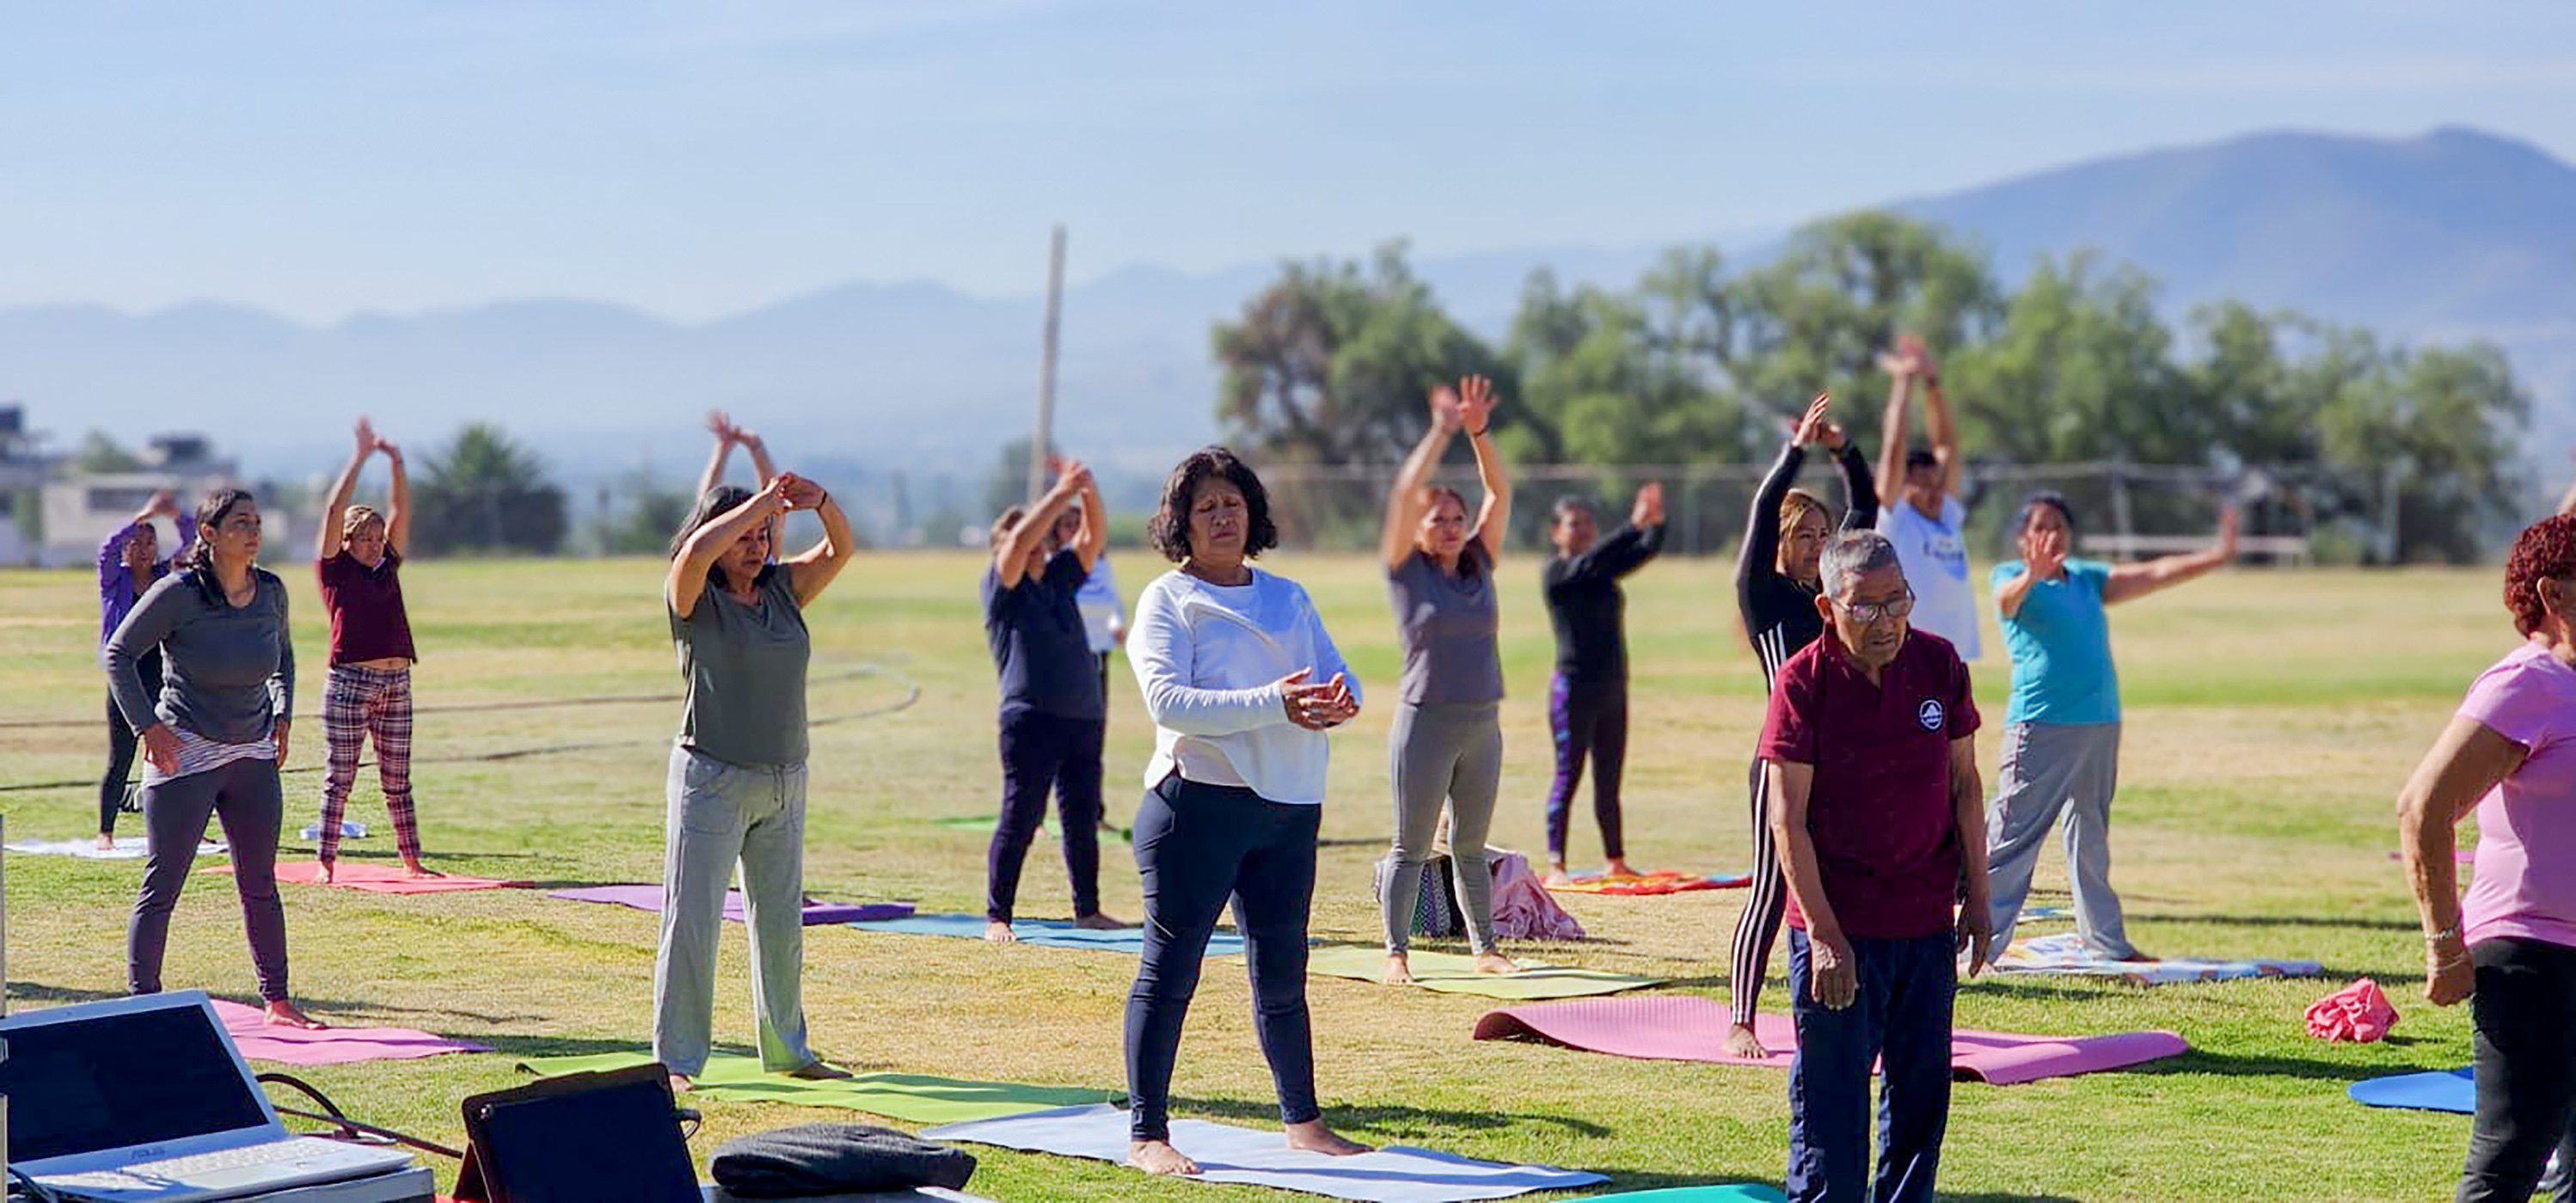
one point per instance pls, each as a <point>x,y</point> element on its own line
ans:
<point>2509,946</point>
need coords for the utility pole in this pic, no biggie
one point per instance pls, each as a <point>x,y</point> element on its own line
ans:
<point>1045,436</point>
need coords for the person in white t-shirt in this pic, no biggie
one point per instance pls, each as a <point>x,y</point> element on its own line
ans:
<point>1920,508</point>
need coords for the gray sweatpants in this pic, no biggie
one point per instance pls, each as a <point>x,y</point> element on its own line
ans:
<point>720,813</point>
<point>245,795</point>
<point>1443,752</point>
<point>2049,768</point>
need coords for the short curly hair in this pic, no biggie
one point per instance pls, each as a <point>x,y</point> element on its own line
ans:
<point>1170,529</point>
<point>2545,551</point>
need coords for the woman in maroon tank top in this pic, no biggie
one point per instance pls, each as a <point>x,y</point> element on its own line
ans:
<point>358,557</point>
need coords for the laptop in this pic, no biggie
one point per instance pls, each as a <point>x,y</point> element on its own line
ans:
<point>146,1099</point>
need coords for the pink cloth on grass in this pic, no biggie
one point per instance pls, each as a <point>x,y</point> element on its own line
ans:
<point>261,1040</point>
<point>2524,883</point>
<point>1523,909</point>
<point>377,879</point>
<point>2359,1012</point>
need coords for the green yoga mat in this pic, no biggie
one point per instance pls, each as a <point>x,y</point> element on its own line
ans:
<point>915,1098</point>
<point>1450,973</point>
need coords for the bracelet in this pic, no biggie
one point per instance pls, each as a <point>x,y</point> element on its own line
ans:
<point>1478,434</point>
<point>2436,937</point>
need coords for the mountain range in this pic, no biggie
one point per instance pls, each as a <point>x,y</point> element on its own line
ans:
<point>2452,235</point>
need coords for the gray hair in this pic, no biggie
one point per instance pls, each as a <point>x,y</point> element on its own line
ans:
<point>1850,554</point>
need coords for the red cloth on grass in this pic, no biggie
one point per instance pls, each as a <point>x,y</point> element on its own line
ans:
<point>2359,1012</point>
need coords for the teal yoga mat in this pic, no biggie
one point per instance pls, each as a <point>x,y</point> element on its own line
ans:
<point>2440,1090</point>
<point>1043,933</point>
<point>1733,1192</point>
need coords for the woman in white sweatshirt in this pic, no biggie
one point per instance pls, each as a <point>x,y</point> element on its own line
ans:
<point>1242,682</point>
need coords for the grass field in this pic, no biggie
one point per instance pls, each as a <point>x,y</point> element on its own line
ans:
<point>2270,720</point>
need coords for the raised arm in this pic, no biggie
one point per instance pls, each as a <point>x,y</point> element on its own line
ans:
<point>398,502</point>
<point>1945,428</point>
<point>1407,500</point>
<point>1758,555</point>
<point>2138,580</point>
<point>688,576</point>
<point>809,573</point>
<point>1095,525</point>
<point>1860,494</point>
<point>1892,424</point>
<point>111,551</point>
<point>723,429</point>
<point>1476,415</point>
<point>1011,559</point>
<point>1626,549</point>
<point>326,541</point>
<point>2465,761</point>
<point>2046,561</point>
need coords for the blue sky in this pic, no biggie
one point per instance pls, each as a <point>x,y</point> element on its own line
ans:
<point>322,158</point>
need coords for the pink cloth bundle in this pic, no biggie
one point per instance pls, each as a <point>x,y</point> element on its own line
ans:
<point>2359,1012</point>
<point>1523,909</point>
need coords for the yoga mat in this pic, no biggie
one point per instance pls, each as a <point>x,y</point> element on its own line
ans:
<point>1739,1192</point>
<point>128,847</point>
<point>649,898</point>
<point>2047,914</point>
<point>261,1040</point>
<point>1044,933</point>
<point>2065,954</point>
<point>1666,881</point>
<point>1689,1027</point>
<point>350,829</point>
<point>1225,1153</point>
<point>713,1193</point>
<point>2440,1090</point>
<point>1450,973</point>
<point>376,879</point>
<point>914,1098</point>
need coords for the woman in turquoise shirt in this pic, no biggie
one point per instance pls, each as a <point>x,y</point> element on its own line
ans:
<point>2062,729</point>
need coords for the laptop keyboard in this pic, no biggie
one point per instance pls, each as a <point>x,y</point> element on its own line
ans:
<point>199,1165</point>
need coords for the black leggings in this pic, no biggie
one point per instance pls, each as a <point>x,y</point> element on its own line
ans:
<point>1196,845</point>
<point>1039,752</point>
<point>244,795</point>
<point>1759,925</point>
<point>2524,1019</point>
<point>1588,718</point>
<point>120,745</point>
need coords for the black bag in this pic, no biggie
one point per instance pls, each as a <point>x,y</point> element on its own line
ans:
<point>827,1159</point>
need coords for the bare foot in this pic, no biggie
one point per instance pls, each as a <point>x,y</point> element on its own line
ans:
<point>1159,1157</point>
<point>1618,867</point>
<point>1495,962</point>
<point>1556,875</point>
<point>999,932</point>
<point>323,874</point>
<point>283,1014</point>
<point>1097,921</point>
<point>2135,955</point>
<point>681,1084</point>
<point>1399,970</point>
<point>1313,1137</point>
<point>106,842</point>
<point>417,871</point>
<point>818,1070</point>
<point>1740,1042</point>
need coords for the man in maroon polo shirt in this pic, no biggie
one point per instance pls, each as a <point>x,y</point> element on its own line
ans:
<point>1878,816</point>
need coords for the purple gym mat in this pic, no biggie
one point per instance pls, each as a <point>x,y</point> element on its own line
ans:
<point>1687,1027</point>
<point>649,898</point>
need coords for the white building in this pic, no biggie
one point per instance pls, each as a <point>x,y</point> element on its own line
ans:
<point>80,512</point>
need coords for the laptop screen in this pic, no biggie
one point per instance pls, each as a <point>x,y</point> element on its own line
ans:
<point>618,1141</point>
<point>117,1080</point>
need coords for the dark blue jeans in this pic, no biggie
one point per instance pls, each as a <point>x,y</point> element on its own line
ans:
<point>2525,1023</point>
<point>1197,845</point>
<point>1901,1019</point>
<point>1042,752</point>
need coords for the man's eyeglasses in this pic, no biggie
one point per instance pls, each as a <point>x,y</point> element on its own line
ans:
<point>1869,612</point>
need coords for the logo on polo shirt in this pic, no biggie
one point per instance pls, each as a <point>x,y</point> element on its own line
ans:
<point>1929,714</point>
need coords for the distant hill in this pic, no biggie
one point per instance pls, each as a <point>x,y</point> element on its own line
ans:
<point>2451,235</point>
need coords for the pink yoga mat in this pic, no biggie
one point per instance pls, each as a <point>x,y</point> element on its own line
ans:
<point>261,1040</point>
<point>1687,1027</point>
<point>649,898</point>
<point>376,879</point>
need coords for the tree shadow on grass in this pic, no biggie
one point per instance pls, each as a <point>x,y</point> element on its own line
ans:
<point>2203,1061</point>
<point>38,992</point>
<point>348,1012</point>
<point>527,1046</point>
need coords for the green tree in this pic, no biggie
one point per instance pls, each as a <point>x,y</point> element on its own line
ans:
<point>483,492</point>
<point>1009,484</point>
<point>100,454</point>
<point>2081,369</point>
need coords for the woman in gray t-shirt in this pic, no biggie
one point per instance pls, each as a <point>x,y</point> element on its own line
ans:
<point>737,782</point>
<point>1447,741</point>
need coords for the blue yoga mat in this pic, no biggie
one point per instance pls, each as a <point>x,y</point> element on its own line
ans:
<point>2448,1090</point>
<point>1044,933</point>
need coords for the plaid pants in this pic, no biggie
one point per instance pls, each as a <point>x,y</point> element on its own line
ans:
<point>360,702</point>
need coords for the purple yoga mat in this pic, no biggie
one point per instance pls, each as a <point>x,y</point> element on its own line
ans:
<point>649,898</point>
<point>1686,1027</point>
<point>261,1040</point>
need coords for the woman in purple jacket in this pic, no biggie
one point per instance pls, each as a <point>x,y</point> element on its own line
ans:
<point>128,562</point>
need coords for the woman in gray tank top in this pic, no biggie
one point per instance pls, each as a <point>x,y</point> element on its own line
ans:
<point>1447,741</point>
